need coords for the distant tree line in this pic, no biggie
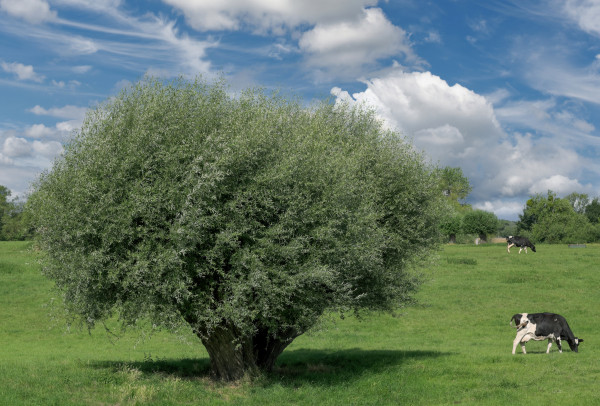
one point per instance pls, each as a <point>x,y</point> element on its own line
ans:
<point>14,220</point>
<point>461,218</point>
<point>572,219</point>
<point>545,218</point>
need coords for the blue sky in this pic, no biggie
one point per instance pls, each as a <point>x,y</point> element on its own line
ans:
<point>507,90</point>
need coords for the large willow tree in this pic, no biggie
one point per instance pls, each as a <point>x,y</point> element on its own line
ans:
<point>245,217</point>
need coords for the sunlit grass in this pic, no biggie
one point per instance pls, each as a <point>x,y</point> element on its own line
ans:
<point>454,347</point>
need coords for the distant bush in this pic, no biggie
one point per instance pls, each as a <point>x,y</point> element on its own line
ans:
<point>480,222</point>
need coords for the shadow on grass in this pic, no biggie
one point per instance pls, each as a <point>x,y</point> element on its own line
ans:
<point>333,367</point>
<point>295,367</point>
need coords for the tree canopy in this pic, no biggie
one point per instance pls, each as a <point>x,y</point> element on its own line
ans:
<point>480,222</point>
<point>14,221</point>
<point>553,219</point>
<point>450,225</point>
<point>244,217</point>
<point>454,185</point>
<point>592,211</point>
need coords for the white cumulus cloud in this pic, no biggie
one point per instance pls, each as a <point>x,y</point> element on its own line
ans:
<point>21,160</point>
<point>426,107</point>
<point>68,111</point>
<point>454,125</point>
<point>504,209</point>
<point>23,72</point>
<point>15,147</point>
<point>47,149</point>
<point>58,133</point>
<point>74,115</point>
<point>458,127</point>
<point>560,184</point>
<point>33,11</point>
<point>4,160</point>
<point>38,131</point>
<point>355,42</point>
<point>65,127</point>
<point>444,135</point>
<point>265,15</point>
<point>586,13</point>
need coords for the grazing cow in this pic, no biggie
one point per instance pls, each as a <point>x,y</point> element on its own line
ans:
<point>543,326</point>
<point>521,242</point>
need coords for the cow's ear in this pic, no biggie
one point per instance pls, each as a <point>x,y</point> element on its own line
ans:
<point>580,340</point>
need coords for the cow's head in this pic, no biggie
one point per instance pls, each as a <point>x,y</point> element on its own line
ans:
<point>574,344</point>
<point>520,320</point>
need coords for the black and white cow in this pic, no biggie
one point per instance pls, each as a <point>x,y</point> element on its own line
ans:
<point>521,242</point>
<point>543,326</point>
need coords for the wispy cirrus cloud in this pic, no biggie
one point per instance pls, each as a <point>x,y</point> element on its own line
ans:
<point>546,116</point>
<point>556,75</point>
<point>146,42</point>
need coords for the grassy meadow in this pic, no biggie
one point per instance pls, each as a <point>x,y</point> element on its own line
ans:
<point>454,347</point>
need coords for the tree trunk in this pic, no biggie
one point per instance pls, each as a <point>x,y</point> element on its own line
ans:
<point>232,356</point>
<point>267,347</point>
<point>230,360</point>
<point>452,238</point>
<point>483,238</point>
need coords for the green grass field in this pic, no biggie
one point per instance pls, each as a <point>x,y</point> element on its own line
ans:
<point>452,348</point>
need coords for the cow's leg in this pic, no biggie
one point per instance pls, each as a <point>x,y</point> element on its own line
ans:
<point>549,345</point>
<point>525,248</point>
<point>520,248</point>
<point>520,339</point>
<point>515,343</point>
<point>559,345</point>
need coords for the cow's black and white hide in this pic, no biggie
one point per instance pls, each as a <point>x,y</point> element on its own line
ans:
<point>543,326</point>
<point>521,242</point>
